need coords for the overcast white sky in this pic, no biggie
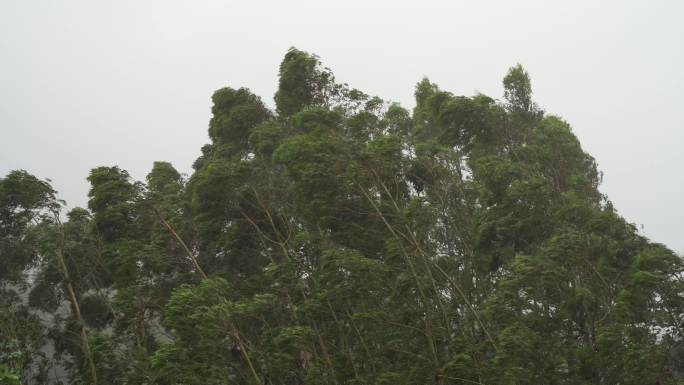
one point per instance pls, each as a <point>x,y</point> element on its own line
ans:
<point>85,83</point>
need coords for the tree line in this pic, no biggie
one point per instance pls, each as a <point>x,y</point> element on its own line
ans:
<point>342,239</point>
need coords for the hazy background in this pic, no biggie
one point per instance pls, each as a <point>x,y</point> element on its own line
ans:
<point>90,83</point>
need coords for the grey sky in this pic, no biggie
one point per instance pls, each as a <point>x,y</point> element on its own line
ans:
<point>89,83</point>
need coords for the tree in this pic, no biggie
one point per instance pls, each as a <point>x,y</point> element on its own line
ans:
<point>303,83</point>
<point>345,240</point>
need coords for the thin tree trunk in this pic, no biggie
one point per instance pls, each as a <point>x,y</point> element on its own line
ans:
<point>71,293</point>
<point>185,247</point>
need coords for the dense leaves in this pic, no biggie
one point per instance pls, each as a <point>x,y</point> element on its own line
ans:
<point>341,239</point>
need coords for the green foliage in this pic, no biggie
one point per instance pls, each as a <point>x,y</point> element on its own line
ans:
<point>303,83</point>
<point>24,200</point>
<point>343,240</point>
<point>7,377</point>
<point>235,112</point>
<point>110,201</point>
<point>518,91</point>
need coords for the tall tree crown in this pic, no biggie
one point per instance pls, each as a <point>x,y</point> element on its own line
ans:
<point>344,240</point>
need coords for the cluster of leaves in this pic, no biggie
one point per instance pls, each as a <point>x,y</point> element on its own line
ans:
<point>341,239</point>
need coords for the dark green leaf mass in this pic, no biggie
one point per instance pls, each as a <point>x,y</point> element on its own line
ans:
<point>343,239</point>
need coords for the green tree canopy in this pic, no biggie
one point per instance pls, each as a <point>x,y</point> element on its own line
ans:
<point>342,239</point>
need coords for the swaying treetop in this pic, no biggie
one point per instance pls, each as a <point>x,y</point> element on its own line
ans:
<point>341,239</point>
